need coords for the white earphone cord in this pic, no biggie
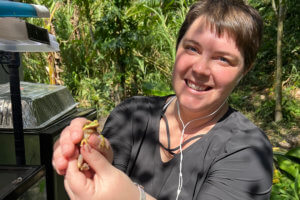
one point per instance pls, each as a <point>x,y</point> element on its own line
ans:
<point>180,177</point>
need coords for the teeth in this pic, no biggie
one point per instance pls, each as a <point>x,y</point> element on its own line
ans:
<point>195,87</point>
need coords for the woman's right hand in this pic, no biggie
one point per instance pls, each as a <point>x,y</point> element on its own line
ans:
<point>65,147</point>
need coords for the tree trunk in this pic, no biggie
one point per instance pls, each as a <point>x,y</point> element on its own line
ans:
<point>278,80</point>
<point>120,53</point>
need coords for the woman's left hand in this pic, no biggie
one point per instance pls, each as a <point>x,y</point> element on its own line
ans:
<point>104,181</point>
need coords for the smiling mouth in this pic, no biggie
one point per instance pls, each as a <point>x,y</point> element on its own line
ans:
<point>196,87</point>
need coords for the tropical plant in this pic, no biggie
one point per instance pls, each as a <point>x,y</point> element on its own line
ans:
<point>286,175</point>
<point>131,44</point>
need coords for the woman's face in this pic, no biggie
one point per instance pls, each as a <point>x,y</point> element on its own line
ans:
<point>207,68</point>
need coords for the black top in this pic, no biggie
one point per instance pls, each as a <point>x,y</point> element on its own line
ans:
<point>232,161</point>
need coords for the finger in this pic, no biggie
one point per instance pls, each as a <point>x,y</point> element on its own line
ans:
<point>68,189</point>
<point>99,142</point>
<point>71,135</point>
<point>75,180</point>
<point>66,145</point>
<point>96,160</point>
<point>102,145</point>
<point>55,150</point>
<point>60,165</point>
<point>56,144</point>
<point>59,162</point>
<point>76,126</point>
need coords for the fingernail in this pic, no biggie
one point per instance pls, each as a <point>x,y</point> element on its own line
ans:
<point>87,147</point>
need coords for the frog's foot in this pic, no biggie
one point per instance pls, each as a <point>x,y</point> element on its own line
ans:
<point>83,142</point>
<point>102,142</point>
<point>82,166</point>
<point>79,161</point>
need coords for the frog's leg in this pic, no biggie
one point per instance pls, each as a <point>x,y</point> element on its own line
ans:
<point>102,142</point>
<point>84,141</point>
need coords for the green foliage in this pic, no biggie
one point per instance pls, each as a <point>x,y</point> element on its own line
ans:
<point>152,87</point>
<point>288,163</point>
<point>286,175</point>
<point>137,49</point>
<point>284,188</point>
<point>34,68</point>
<point>265,110</point>
<point>95,93</point>
<point>261,103</point>
<point>263,73</point>
<point>132,44</point>
<point>290,105</point>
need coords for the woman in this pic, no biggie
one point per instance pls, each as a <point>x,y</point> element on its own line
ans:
<point>191,145</point>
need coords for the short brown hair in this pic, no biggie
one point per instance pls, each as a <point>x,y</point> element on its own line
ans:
<point>233,16</point>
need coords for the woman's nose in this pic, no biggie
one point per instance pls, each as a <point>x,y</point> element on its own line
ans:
<point>201,66</point>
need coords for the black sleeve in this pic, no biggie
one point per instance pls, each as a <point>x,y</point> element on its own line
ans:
<point>244,172</point>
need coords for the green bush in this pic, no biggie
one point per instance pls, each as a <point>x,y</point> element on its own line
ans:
<point>286,184</point>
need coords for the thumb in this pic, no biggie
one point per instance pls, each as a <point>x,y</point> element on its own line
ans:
<point>96,160</point>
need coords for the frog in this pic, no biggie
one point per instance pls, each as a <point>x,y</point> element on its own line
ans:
<point>89,128</point>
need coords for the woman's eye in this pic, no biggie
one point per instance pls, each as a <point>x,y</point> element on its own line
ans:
<point>191,49</point>
<point>224,60</point>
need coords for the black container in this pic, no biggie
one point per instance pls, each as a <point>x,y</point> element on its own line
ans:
<point>19,181</point>
<point>39,150</point>
<point>46,111</point>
